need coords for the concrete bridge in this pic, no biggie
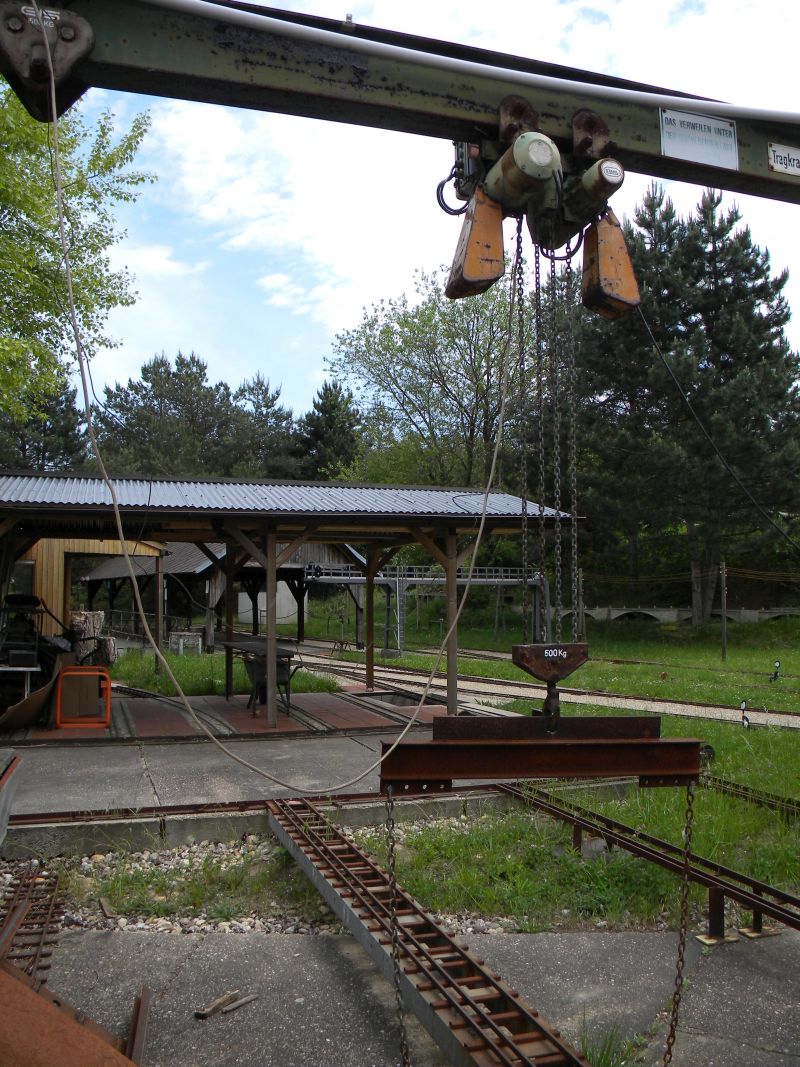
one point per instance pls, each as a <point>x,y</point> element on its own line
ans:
<point>607,614</point>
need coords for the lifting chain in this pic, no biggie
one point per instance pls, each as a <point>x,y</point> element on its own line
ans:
<point>391,860</point>
<point>684,920</point>
<point>519,298</point>
<point>543,633</point>
<point>572,430</point>
<point>555,406</point>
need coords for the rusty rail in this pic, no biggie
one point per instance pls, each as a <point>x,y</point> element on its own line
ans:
<point>786,806</point>
<point>475,1018</point>
<point>721,882</point>
<point>31,914</point>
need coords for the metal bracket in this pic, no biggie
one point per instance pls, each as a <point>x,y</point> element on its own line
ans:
<point>591,137</point>
<point>23,56</point>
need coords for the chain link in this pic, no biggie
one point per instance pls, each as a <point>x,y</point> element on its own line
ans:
<point>391,862</point>
<point>684,921</point>
<point>572,459</point>
<point>540,442</point>
<point>555,408</point>
<point>519,297</point>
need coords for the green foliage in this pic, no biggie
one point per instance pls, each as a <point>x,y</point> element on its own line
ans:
<point>218,889</point>
<point>35,328</point>
<point>329,433</point>
<point>173,421</point>
<point>656,493</point>
<point>48,432</point>
<point>429,374</point>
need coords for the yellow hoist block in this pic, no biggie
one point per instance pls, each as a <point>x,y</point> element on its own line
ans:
<point>478,261</point>
<point>609,285</point>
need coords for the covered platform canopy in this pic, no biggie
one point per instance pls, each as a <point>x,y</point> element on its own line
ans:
<point>252,518</point>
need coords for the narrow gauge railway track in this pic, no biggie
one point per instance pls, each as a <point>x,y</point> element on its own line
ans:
<point>721,882</point>
<point>31,914</point>
<point>472,1015</point>
<point>786,806</point>
<point>504,689</point>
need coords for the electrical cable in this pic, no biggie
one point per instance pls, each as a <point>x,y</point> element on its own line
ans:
<point>759,508</point>
<point>305,789</point>
<point>219,12</point>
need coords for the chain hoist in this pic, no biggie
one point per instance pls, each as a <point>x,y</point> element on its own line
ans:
<point>519,299</point>
<point>572,430</point>
<point>554,360</point>
<point>391,862</point>
<point>537,296</point>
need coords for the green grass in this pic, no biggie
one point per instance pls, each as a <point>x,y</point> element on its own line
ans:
<point>218,889</point>
<point>201,675</point>
<point>523,866</point>
<point>667,662</point>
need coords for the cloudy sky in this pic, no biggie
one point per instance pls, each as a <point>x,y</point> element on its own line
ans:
<point>265,235</point>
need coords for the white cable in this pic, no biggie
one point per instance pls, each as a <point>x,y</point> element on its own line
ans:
<point>462,67</point>
<point>297,789</point>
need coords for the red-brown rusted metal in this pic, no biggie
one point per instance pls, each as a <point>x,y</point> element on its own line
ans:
<point>39,1028</point>
<point>427,766</point>
<point>520,727</point>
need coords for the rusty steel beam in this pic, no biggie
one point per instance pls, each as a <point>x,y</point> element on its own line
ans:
<point>521,727</point>
<point>431,766</point>
<point>270,60</point>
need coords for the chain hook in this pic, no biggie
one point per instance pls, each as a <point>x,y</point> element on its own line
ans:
<point>440,200</point>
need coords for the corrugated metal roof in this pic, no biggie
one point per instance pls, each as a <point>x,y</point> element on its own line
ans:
<point>187,558</point>
<point>271,498</point>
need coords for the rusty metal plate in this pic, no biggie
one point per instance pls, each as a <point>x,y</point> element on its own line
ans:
<point>520,727</point>
<point>550,662</point>
<point>418,764</point>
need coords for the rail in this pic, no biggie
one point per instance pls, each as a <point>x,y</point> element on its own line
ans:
<point>472,1015</point>
<point>721,882</point>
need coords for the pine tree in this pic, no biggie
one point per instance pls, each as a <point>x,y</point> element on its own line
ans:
<point>329,433</point>
<point>718,317</point>
<point>50,436</point>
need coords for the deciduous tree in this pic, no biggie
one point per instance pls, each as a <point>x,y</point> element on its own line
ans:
<point>35,329</point>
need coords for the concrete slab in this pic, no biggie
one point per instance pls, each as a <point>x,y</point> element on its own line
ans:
<point>594,982</point>
<point>87,777</point>
<point>742,1009</point>
<point>81,777</point>
<point>322,1004</point>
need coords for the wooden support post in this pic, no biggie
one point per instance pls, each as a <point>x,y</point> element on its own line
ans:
<point>369,637</point>
<point>577,837</point>
<point>452,639</point>
<point>66,607</point>
<point>300,600</point>
<point>230,570</point>
<point>716,913</point>
<point>159,619</point>
<point>271,574</point>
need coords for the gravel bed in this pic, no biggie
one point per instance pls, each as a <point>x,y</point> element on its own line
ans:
<point>273,916</point>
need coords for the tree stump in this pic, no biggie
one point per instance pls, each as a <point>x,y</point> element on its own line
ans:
<point>91,648</point>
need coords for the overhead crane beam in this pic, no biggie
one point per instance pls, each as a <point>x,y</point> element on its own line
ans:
<point>263,59</point>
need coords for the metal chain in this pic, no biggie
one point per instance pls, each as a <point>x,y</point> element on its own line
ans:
<point>519,297</point>
<point>684,920</point>
<point>391,850</point>
<point>572,461</point>
<point>540,423</point>
<point>555,406</point>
